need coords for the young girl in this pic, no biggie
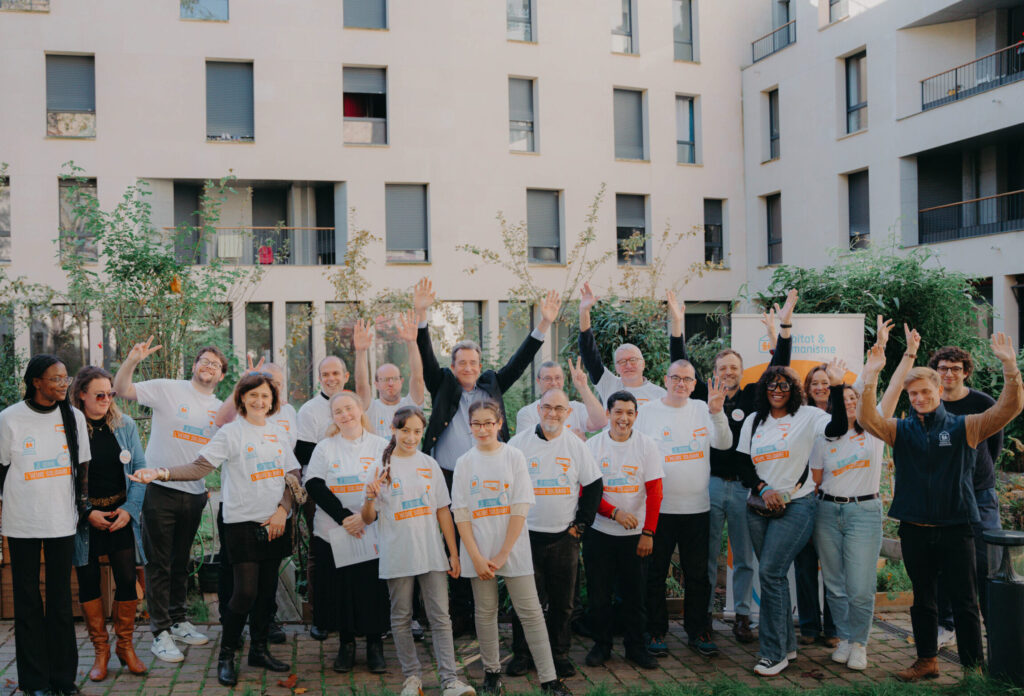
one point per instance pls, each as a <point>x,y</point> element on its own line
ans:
<point>491,495</point>
<point>352,599</point>
<point>409,498</point>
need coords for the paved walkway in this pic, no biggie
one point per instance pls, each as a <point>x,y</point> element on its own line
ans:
<point>889,650</point>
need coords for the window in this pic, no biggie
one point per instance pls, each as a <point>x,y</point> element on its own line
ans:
<point>366,14</point>
<point>837,9</point>
<point>365,106</point>
<point>515,322</point>
<point>542,227</point>
<point>714,247</point>
<point>519,20</point>
<point>686,151</point>
<point>76,195</point>
<point>229,102</point>
<point>856,92</point>
<point>773,125</point>
<point>682,29</point>
<point>629,124</point>
<point>631,229</point>
<point>406,222</point>
<point>187,223</point>
<point>453,322</point>
<point>70,96</point>
<point>210,10</point>
<point>5,219</point>
<point>339,326</point>
<point>58,331</point>
<point>298,326</point>
<point>623,23</point>
<point>773,206</point>
<point>259,340</point>
<point>521,129</point>
<point>860,227</point>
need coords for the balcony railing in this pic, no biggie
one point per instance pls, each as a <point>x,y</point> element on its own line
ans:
<point>989,215</point>
<point>988,72</point>
<point>774,41</point>
<point>247,246</point>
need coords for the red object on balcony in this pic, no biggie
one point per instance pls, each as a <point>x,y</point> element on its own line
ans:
<point>266,255</point>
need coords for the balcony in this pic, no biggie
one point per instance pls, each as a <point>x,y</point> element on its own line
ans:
<point>980,216</point>
<point>1003,67</point>
<point>25,5</point>
<point>365,131</point>
<point>265,246</point>
<point>774,41</point>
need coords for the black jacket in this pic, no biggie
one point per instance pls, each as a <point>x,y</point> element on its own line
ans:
<point>446,392</point>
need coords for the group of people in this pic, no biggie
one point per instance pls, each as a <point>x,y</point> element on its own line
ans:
<point>416,516</point>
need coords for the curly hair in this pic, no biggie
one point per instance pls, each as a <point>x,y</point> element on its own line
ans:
<point>952,354</point>
<point>775,373</point>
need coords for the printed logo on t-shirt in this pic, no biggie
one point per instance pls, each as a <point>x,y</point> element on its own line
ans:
<point>58,427</point>
<point>29,444</point>
<point>626,482</point>
<point>183,411</point>
<point>348,484</point>
<point>533,465</point>
<point>768,453</point>
<point>267,470</point>
<point>553,486</point>
<point>564,462</point>
<point>49,468</point>
<point>396,486</point>
<point>605,463</point>
<point>190,433</point>
<point>850,463</point>
<point>425,473</point>
<point>416,507</point>
<point>283,422</point>
<point>685,453</point>
<point>270,437</point>
<point>490,507</point>
<point>250,450</point>
<point>944,440</point>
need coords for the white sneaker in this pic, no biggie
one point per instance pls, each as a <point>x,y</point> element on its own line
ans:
<point>946,636</point>
<point>187,633</point>
<point>791,656</point>
<point>858,657</point>
<point>842,652</point>
<point>413,686</point>
<point>457,688</point>
<point>769,668</point>
<point>165,649</point>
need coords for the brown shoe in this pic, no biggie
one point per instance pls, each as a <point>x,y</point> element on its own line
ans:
<point>923,668</point>
<point>741,630</point>
<point>124,628</point>
<point>96,623</point>
<point>806,640</point>
<point>829,641</point>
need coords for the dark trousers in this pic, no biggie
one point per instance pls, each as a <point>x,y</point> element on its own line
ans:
<point>988,511</point>
<point>460,590</point>
<point>690,534</point>
<point>45,647</point>
<point>608,559</point>
<point>170,519</point>
<point>555,564</point>
<point>948,551</point>
<point>226,579</point>
<point>253,585</point>
<point>808,600</point>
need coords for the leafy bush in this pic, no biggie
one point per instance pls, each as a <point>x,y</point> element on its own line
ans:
<point>892,577</point>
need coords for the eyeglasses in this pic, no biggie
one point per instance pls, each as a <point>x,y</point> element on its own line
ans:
<point>550,379</point>
<point>389,380</point>
<point>629,361</point>
<point>476,425</point>
<point>104,396</point>
<point>777,386</point>
<point>206,362</point>
<point>676,379</point>
<point>59,381</point>
<point>951,369</point>
<point>557,410</point>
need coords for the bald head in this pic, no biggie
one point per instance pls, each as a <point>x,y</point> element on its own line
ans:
<point>553,410</point>
<point>389,383</point>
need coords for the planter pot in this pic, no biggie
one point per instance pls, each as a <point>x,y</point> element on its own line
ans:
<point>893,601</point>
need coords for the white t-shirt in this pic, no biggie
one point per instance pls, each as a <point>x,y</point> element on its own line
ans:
<point>685,436</point>
<point>410,538</point>
<point>288,419</point>
<point>558,469</point>
<point>314,418</point>
<point>345,466</point>
<point>611,383</point>
<point>626,467</point>
<point>183,421</point>
<point>39,492</point>
<point>781,447</point>
<point>852,464</point>
<point>488,484</point>
<point>255,459</point>
<point>381,415</point>
<point>527,419</point>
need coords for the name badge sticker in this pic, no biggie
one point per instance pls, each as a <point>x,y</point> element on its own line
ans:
<point>125,456</point>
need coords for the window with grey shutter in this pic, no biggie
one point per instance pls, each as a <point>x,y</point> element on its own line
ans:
<point>209,10</point>
<point>366,14</point>
<point>406,221</point>
<point>629,120</point>
<point>229,101</point>
<point>773,208</point>
<point>713,239</point>
<point>542,227</point>
<point>773,125</point>
<point>682,29</point>
<point>520,115</point>
<point>686,145</point>
<point>365,106</point>
<point>71,84</point>
<point>860,223</point>
<point>631,229</point>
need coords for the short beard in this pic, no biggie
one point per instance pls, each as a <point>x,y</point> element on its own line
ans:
<point>549,430</point>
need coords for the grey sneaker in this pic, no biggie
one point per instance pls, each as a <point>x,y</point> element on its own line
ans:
<point>457,688</point>
<point>187,633</point>
<point>413,686</point>
<point>165,649</point>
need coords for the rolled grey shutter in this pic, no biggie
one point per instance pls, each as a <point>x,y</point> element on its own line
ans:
<point>70,83</point>
<point>405,216</point>
<point>629,133</point>
<point>629,211</point>
<point>859,208</point>
<point>366,14</point>
<point>365,81</point>
<point>542,218</point>
<point>712,212</point>
<point>520,99</point>
<point>229,96</point>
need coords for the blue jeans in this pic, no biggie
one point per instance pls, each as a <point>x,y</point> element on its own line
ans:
<point>988,510</point>
<point>848,537</point>
<point>776,543</point>
<point>729,501</point>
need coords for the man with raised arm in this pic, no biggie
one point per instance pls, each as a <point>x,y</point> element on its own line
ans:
<point>388,379</point>
<point>728,495</point>
<point>629,361</point>
<point>934,455</point>
<point>183,421</point>
<point>584,417</point>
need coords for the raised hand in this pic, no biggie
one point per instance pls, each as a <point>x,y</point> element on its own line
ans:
<point>423,295</point>
<point>716,395</point>
<point>913,339</point>
<point>374,485</point>
<point>768,321</point>
<point>550,307</point>
<point>676,309</point>
<point>836,372</point>
<point>587,298</point>
<point>882,332</point>
<point>1002,346</point>
<point>145,475</point>
<point>578,376</point>
<point>875,361</point>
<point>141,351</point>
<point>407,326</point>
<point>361,335</point>
<point>253,368</point>
<point>786,313</point>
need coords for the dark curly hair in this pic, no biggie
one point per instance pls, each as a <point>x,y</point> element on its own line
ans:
<point>775,373</point>
<point>952,354</point>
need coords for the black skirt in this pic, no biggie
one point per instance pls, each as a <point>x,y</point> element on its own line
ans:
<point>104,543</point>
<point>246,542</point>
<point>352,600</point>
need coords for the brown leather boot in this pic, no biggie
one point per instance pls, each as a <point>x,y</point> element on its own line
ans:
<point>124,628</point>
<point>923,668</point>
<point>741,629</point>
<point>92,612</point>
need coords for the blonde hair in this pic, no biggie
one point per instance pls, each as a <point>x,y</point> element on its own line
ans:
<point>919,372</point>
<point>82,381</point>
<point>333,428</point>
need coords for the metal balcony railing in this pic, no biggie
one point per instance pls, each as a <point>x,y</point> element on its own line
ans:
<point>246,246</point>
<point>988,72</point>
<point>774,41</point>
<point>989,215</point>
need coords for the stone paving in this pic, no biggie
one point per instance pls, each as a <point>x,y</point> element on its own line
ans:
<point>311,662</point>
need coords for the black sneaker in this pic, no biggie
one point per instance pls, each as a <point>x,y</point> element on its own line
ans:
<point>518,665</point>
<point>641,658</point>
<point>417,631</point>
<point>564,668</point>
<point>317,633</point>
<point>597,655</point>
<point>769,668</point>
<point>703,645</point>
<point>556,687</point>
<point>492,683</point>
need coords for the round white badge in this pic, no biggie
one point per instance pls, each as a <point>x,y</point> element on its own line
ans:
<point>125,457</point>
<point>738,414</point>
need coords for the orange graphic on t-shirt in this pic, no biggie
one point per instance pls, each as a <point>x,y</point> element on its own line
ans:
<point>564,462</point>
<point>189,437</point>
<point>269,437</point>
<point>554,490</point>
<point>492,511</point>
<point>348,488</point>
<point>684,456</point>
<point>271,473</point>
<point>48,473</point>
<point>622,489</point>
<point>492,485</point>
<point>770,456</point>
<point>859,464</point>
<point>59,427</point>
<point>414,512</point>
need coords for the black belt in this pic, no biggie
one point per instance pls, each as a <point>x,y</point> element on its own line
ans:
<point>842,499</point>
<point>109,500</point>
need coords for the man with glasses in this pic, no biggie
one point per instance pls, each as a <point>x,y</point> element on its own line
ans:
<point>388,380</point>
<point>184,413</point>
<point>584,417</point>
<point>685,430</point>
